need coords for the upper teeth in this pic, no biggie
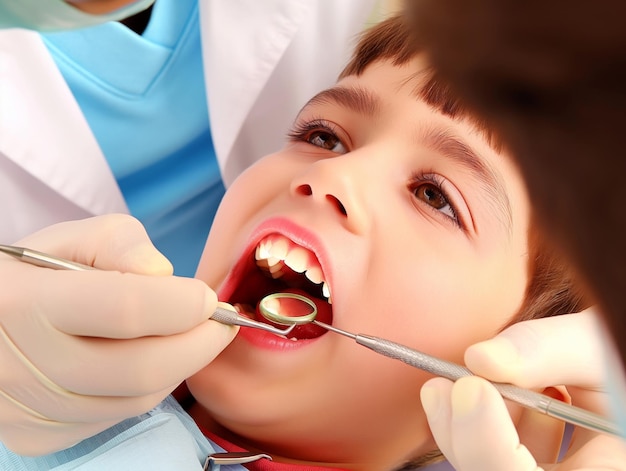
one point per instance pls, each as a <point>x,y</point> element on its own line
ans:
<point>276,251</point>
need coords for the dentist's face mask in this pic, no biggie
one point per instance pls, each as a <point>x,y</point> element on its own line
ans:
<point>57,15</point>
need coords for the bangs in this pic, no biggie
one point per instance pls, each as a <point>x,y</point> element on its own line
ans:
<point>439,95</point>
<point>392,40</point>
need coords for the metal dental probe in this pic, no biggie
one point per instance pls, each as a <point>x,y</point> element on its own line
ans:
<point>41,259</point>
<point>221,314</point>
<point>525,397</point>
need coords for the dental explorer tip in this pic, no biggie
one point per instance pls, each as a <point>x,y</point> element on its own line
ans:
<point>17,252</point>
<point>334,329</point>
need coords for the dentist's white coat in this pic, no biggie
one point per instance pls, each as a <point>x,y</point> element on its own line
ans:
<point>263,60</point>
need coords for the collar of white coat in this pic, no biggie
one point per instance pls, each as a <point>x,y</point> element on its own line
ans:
<point>43,131</point>
<point>264,59</point>
<point>243,41</point>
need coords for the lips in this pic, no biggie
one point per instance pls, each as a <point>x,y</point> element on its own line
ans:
<point>278,264</point>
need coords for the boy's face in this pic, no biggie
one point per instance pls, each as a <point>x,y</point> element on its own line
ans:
<point>420,231</point>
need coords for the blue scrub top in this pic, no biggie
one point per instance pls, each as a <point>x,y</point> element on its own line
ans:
<point>145,100</point>
<point>164,439</point>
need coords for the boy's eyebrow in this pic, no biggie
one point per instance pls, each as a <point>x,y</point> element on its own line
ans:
<point>359,100</point>
<point>453,148</point>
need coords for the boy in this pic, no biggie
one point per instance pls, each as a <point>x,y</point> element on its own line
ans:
<point>419,228</point>
<point>398,214</point>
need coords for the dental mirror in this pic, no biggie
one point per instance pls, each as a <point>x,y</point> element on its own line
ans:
<point>288,309</point>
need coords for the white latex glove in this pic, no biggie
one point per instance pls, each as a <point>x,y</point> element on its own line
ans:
<point>471,423</point>
<point>82,350</point>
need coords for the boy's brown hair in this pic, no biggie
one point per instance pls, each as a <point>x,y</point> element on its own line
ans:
<point>393,40</point>
<point>551,78</point>
<point>552,289</point>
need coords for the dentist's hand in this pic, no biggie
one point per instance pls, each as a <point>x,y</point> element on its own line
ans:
<point>471,423</point>
<point>81,351</point>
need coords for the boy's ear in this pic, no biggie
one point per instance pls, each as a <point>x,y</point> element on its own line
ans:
<point>541,434</point>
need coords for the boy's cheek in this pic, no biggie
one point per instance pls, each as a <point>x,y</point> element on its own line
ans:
<point>216,259</point>
<point>251,191</point>
<point>240,209</point>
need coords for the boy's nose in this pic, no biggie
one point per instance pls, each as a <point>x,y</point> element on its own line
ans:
<point>337,189</point>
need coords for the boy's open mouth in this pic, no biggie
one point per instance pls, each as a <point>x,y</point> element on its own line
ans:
<point>279,265</point>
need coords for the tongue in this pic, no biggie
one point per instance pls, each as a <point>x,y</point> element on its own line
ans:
<point>304,331</point>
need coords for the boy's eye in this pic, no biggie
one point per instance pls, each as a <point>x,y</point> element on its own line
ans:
<point>433,196</point>
<point>326,140</point>
<point>319,133</point>
<point>428,190</point>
